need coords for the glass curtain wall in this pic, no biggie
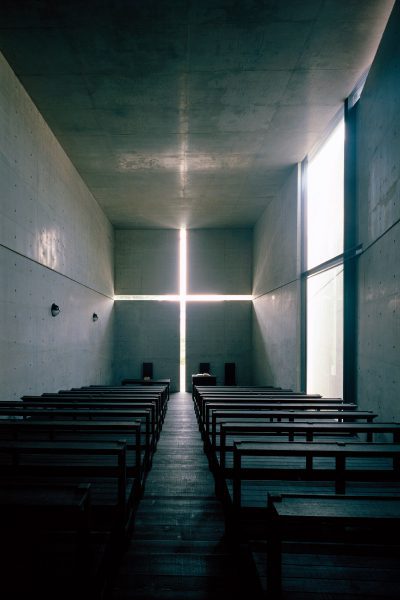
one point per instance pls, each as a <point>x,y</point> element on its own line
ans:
<point>324,266</point>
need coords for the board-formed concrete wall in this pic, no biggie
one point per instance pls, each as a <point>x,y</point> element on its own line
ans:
<point>275,340</point>
<point>378,176</point>
<point>56,245</point>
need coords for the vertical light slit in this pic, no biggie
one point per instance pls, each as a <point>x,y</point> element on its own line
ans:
<point>182,295</point>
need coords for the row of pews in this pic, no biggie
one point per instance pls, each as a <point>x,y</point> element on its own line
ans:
<point>294,469</point>
<point>73,468</point>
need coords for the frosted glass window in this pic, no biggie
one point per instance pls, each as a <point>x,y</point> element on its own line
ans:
<point>325,200</point>
<point>325,333</point>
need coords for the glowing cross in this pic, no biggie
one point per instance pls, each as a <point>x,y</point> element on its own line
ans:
<point>183,297</point>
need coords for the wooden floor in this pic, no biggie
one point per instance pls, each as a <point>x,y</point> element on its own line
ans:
<point>178,549</point>
<point>328,572</point>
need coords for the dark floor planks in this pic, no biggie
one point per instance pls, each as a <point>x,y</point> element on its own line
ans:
<point>178,549</point>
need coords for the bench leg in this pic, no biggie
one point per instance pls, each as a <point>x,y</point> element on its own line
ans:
<point>274,562</point>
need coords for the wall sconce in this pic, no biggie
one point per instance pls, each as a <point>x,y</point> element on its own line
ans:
<point>55,310</point>
<point>95,317</point>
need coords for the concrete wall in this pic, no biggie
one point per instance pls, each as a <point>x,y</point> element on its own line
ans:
<point>56,245</point>
<point>276,345</point>
<point>146,261</point>
<point>220,261</point>
<point>378,172</point>
<point>147,331</point>
<point>219,332</point>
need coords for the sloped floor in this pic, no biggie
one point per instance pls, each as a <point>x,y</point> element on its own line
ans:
<point>178,551</point>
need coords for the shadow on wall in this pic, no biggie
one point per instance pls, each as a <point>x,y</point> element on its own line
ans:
<point>275,338</point>
<point>262,371</point>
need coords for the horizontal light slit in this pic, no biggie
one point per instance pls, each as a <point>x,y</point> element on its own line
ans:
<point>188,298</point>
<point>217,297</point>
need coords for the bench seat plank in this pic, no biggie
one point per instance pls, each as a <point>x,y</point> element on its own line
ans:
<point>326,518</point>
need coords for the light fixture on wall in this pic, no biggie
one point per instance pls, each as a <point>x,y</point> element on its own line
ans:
<point>95,317</point>
<point>55,310</point>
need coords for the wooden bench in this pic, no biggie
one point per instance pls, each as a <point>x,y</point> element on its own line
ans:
<point>144,382</point>
<point>44,440</point>
<point>46,538</point>
<point>80,431</point>
<point>303,467</point>
<point>197,390</point>
<point>159,384</point>
<point>283,415</point>
<point>108,402</point>
<point>308,518</point>
<point>38,411</point>
<point>146,395</point>
<point>286,399</point>
<point>301,461</point>
<point>92,406</point>
<point>76,403</point>
<point>216,392</point>
<point>77,462</point>
<point>231,432</point>
<point>215,410</point>
<point>133,390</point>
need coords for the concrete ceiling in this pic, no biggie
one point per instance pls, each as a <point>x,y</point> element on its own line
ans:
<point>189,111</point>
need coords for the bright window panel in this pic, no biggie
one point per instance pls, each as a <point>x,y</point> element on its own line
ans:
<point>325,333</point>
<point>325,200</point>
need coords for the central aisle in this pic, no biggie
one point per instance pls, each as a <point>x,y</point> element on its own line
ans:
<point>177,549</point>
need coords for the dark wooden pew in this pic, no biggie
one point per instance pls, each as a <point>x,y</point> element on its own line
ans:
<point>134,390</point>
<point>326,519</point>
<point>239,432</point>
<point>103,465</point>
<point>144,382</point>
<point>282,413</point>
<point>236,408</point>
<point>213,392</point>
<point>87,401</point>
<point>92,406</point>
<point>38,411</point>
<point>47,546</point>
<point>293,399</point>
<point>137,384</point>
<point>114,396</point>
<point>77,403</point>
<point>75,431</point>
<point>199,389</point>
<point>268,415</point>
<point>287,466</point>
<point>45,440</point>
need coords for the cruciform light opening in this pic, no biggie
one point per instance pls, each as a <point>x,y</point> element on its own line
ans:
<point>183,298</point>
<point>182,318</point>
